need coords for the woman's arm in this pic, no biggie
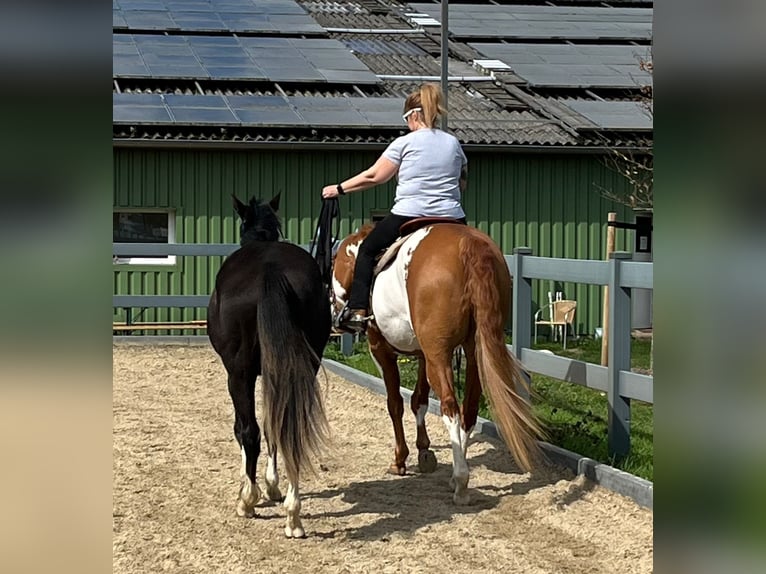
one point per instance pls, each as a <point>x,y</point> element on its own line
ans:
<point>380,172</point>
<point>463,178</point>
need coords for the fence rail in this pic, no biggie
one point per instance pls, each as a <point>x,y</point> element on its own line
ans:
<point>619,273</point>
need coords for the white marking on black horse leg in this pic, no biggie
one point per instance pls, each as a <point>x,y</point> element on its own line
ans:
<point>294,527</point>
<point>249,493</point>
<point>458,438</point>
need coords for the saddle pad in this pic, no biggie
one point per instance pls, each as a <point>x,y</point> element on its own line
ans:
<point>389,254</point>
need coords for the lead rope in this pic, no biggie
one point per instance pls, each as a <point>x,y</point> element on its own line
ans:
<point>321,245</point>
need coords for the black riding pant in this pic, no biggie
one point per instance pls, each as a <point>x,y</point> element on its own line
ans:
<point>385,232</point>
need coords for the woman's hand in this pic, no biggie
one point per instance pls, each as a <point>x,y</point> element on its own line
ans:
<point>330,191</point>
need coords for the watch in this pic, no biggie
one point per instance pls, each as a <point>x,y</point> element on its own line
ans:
<point>340,190</point>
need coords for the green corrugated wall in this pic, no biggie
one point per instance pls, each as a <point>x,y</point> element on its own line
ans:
<point>548,202</point>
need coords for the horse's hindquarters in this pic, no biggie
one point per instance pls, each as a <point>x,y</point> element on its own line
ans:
<point>390,297</point>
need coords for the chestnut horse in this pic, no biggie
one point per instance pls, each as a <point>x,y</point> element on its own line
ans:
<point>448,286</point>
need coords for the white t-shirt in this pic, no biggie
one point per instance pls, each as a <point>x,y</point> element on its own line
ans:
<point>430,162</point>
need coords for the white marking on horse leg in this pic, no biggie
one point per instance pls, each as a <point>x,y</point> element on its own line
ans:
<point>420,417</point>
<point>249,493</point>
<point>293,528</point>
<point>458,438</point>
<point>272,478</point>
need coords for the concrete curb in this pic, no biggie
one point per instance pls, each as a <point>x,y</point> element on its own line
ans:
<point>638,489</point>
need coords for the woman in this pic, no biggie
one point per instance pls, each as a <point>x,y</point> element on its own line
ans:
<point>431,169</point>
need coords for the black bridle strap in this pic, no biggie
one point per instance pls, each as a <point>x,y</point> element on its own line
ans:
<point>322,243</point>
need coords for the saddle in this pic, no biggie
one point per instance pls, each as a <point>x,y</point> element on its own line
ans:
<point>405,231</point>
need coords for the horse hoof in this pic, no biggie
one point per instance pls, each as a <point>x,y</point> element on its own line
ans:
<point>297,532</point>
<point>273,493</point>
<point>245,510</point>
<point>397,470</point>
<point>427,461</point>
<point>461,498</point>
<point>249,495</point>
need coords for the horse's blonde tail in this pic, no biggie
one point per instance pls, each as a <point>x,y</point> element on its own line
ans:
<point>488,287</point>
<point>294,417</point>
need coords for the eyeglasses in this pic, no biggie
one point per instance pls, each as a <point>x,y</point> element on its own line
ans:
<point>410,112</point>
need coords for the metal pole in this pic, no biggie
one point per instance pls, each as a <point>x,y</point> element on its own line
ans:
<point>445,57</point>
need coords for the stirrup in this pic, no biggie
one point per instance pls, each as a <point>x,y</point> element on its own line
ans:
<point>352,322</point>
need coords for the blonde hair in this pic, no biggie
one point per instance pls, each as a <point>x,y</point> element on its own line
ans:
<point>431,102</point>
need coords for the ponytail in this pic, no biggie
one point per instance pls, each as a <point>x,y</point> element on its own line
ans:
<point>431,101</point>
<point>429,98</point>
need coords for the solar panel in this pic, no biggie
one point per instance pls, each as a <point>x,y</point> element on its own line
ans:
<point>572,66</point>
<point>144,109</point>
<point>272,111</point>
<point>257,102</point>
<point>214,16</point>
<point>264,110</point>
<point>380,112</point>
<point>118,21</point>
<point>203,116</point>
<point>611,115</point>
<point>232,58</point>
<point>376,47</point>
<point>564,22</point>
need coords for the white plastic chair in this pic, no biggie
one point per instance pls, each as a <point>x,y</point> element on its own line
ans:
<point>560,314</point>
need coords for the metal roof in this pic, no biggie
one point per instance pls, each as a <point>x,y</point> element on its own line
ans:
<point>329,98</point>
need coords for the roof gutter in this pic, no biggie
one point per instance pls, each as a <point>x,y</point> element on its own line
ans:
<point>342,146</point>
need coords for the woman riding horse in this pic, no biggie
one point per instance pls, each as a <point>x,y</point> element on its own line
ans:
<point>432,171</point>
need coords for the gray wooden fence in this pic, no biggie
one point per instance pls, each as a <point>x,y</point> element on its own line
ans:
<point>616,380</point>
<point>620,274</point>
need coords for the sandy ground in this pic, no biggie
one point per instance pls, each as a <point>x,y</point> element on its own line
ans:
<point>176,478</point>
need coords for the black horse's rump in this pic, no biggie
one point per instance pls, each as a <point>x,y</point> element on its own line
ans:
<point>269,316</point>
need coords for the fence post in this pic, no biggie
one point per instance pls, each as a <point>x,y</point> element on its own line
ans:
<point>618,357</point>
<point>347,344</point>
<point>521,324</point>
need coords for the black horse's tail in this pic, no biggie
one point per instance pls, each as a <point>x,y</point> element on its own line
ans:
<point>294,417</point>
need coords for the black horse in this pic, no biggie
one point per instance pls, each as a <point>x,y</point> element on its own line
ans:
<point>269,315</point>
